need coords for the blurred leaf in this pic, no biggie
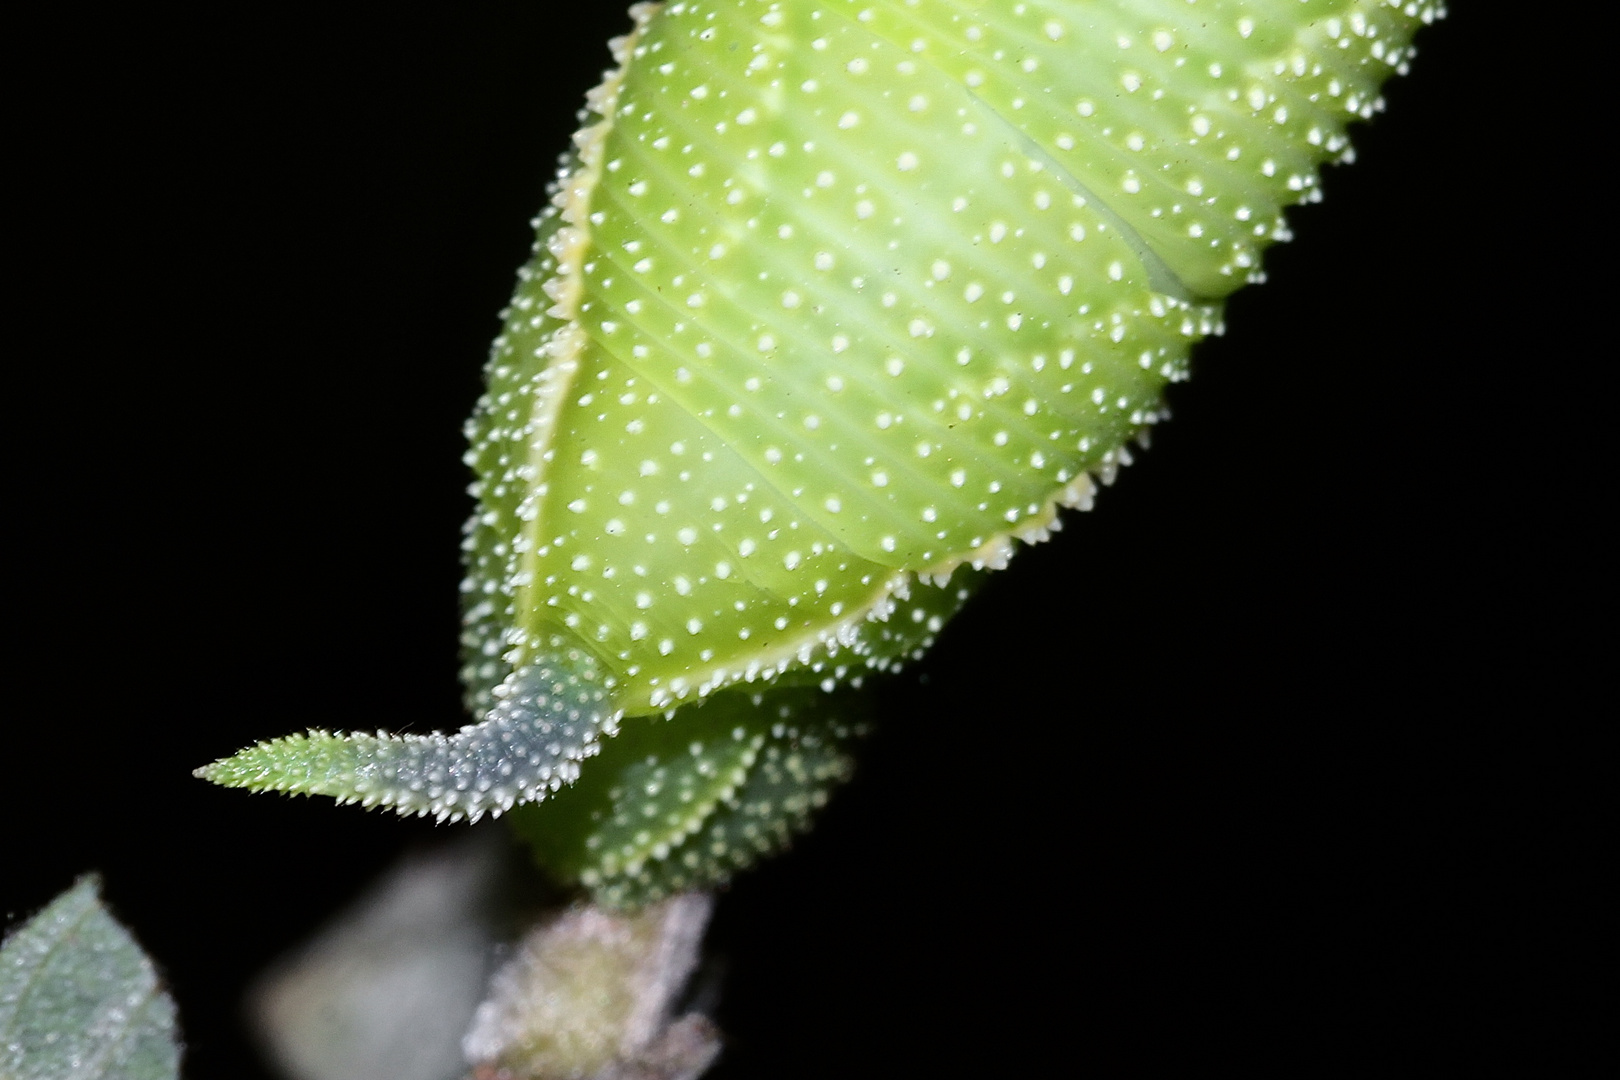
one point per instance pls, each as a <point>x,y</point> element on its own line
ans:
<point>79,1000</point>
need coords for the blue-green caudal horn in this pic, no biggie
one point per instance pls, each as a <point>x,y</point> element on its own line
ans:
<point>550,716</point>
<point>833,305</point>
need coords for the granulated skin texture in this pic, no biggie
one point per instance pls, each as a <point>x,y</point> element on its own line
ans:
<point>832,305</point>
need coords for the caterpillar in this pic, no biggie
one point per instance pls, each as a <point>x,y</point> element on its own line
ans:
<point>833,305</point>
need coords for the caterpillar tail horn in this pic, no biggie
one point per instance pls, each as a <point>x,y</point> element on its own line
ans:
<point>549,716</point>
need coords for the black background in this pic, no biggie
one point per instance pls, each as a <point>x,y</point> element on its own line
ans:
<point>1280,754</point>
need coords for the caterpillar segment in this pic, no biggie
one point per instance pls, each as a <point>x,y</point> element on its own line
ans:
<point>833,304</point>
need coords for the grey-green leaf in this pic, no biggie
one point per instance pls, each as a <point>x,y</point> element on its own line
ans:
<point>79,1000</point>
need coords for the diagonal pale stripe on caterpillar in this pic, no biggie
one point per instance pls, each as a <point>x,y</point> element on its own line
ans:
<point>834,302</point>
<point>802,511</point>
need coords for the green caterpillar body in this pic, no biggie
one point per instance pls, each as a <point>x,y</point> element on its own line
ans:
<point>833,303</point>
